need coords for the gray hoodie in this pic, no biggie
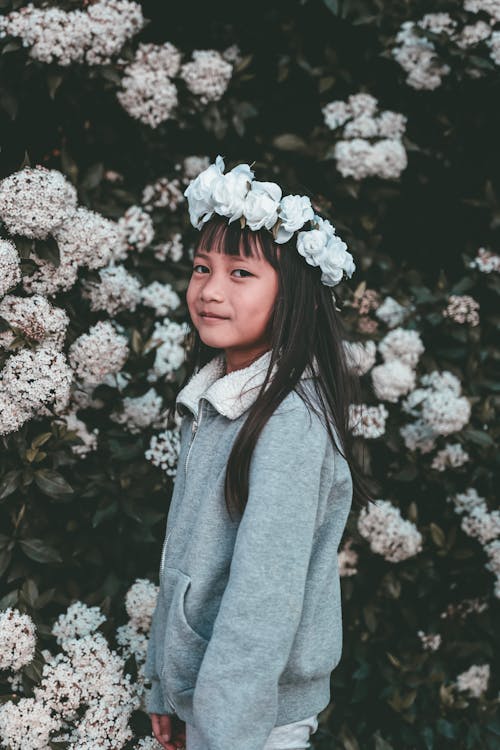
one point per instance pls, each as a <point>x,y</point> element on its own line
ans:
<point>248,624</point>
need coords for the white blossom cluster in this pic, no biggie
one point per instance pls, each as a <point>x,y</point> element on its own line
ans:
<point>483,525</point>
<point>400,349</point>
<point>89,239</point>
<point>207,75</point>
<point>450,457</point>
<point>418,56</point>
<point>439,409</point>
<point>462,308</point>
<point>35,201</point>
<point>35,318</point>
<point>486,261</point>
<point>17,639</point>
<point>474,680</point>
<point>430,641</point>
<point>150,95</point>
<point>27,724</point>
<point>370,143</point>
<point>491,7</point>
<point>78,620</point>
<point>93,35</point>
<point>30,381</point>
<point>164,450</point>
<point>10,266</point>
<point>163,193</point>
<point>391,312</point>
<point>99,352</point>
<point>140,412</point>
<point>167,339</point>
<point>367,421</point>
<point>347,560</point>
<point>191,167</point>
<point>402,344</point>
<point>140,602</point>
<point>161,297</point>
<point>389,535</point>
<point>116,291</point>
<point>84,697</point>
<point>136,232</point>
<point>392,380</point>
<point>38,202</point>
<point>172,249</point>
<point>360,355</point>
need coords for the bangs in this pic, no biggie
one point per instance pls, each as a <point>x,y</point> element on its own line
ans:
<point>230,239</point>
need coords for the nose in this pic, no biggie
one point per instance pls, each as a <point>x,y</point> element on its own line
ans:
<point>212,288</point>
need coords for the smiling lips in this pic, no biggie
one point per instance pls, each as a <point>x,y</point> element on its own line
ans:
<point>212,316</point>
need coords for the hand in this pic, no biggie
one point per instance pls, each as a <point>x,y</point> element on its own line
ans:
<point>170,731</point>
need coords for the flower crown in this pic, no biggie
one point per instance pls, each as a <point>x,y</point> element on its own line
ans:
<point>259,204</point>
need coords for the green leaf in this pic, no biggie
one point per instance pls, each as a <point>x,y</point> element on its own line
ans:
<point>290,142</point>
<point>479,437</point>
<point>438,535</point>
<point>5,558</point>
<point>41,439</point>
<point>54,80</point>
<point>52,483</point>
<point>40,551</point>
<point>93,176</point>
<point>333,6</point>
<point>10,482</point>
<point>446,729</point>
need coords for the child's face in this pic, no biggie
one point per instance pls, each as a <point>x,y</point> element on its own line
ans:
<point>240,289</point>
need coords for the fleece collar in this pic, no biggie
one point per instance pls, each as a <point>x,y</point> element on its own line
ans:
<point>230,394</point>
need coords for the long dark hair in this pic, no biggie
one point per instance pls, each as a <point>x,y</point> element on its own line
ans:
<point>304,325</point>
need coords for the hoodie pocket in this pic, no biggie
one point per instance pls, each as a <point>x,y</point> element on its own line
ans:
<point>183,647</point>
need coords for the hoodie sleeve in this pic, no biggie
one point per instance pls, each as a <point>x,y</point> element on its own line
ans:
<point>235,700</point>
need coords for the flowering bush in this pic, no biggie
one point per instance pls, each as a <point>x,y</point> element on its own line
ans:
<point>114,122</point>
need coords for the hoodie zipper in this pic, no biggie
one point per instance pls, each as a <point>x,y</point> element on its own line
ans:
<point>194,428</point>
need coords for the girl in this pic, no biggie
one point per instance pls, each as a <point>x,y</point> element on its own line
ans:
<point>248,628</point>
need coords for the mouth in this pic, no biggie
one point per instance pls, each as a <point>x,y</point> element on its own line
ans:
<point>212,317</point>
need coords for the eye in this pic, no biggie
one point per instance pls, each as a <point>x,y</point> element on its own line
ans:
<point>243,271</point>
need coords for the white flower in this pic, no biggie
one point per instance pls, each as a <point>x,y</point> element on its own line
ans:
<point>261,205</point>
<point>335,260</point>
<point>388,533</point>
<point>294,211</point>
<point>10,268</point>
<point>230,190</point>
<point>17,639</point>
<point>34,201</point>
<point>311,245</point>
<point>208,75</point>
<point>199,193</point>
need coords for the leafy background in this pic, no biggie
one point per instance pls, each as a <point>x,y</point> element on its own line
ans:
<point>85,529</point>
